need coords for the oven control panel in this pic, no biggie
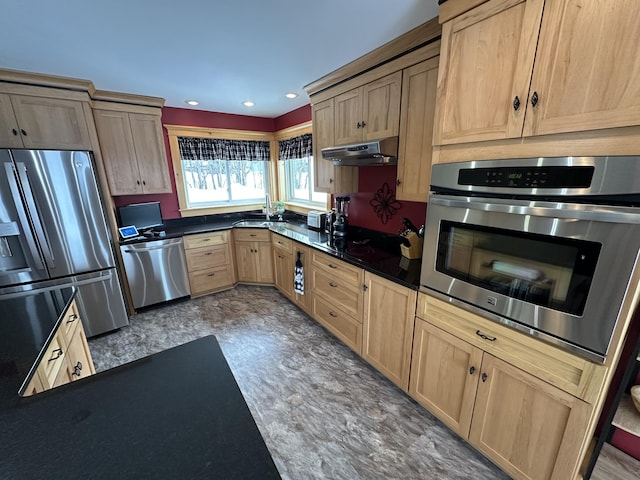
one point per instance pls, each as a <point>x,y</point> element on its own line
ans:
<point>528,177</point>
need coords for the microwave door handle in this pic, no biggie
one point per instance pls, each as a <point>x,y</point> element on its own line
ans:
<point>35,216</point>
<point>22,216</point>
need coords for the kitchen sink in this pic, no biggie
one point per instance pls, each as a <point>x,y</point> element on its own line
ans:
<point>252,223</point>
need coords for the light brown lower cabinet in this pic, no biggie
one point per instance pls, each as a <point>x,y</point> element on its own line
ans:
<point>389,310</point>
<point>531,429</point>
<point>66,359</point>
<point>254,259</point>
<point>209,261</point>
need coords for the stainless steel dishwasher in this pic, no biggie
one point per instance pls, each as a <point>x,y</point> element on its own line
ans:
<point>156,271</point>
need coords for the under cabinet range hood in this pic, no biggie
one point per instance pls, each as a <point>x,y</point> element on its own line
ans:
<point>377,152</point>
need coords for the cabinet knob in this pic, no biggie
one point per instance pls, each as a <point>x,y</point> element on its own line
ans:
<point>144,182</point>
<point>472,370</point>
<point>364,287</point>
<point>332,285</point>
<point>516,103</point>
<point>363,124</point>
<point>398,182</point>
<point>358,125</point>
<point>484,377</point>
<point>138,182</point>
<point>77,369</point>
<point>22,130</point>
<point>15,132</point>
<point>534,99</point>
<point>331,180</point>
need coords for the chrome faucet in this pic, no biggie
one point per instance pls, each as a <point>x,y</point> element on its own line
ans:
<point>269,207</point>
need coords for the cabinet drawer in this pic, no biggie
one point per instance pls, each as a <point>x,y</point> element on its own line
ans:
<point>70,321</point>
<point>342,325</point>
<point>207,257</point>
<point>571,373</point>
<point>337,291</point>
<point>283,243</point>
<point>79,357</point>
<point>206,239</point>
<point>53,360</point>
<point>338,268</point>
<point>205,281</point>
<point>252,234</point>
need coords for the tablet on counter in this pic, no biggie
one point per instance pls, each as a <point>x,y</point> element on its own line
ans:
<point>128,232</point>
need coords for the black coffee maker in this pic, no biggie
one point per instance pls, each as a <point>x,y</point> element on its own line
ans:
<point>340,222</point>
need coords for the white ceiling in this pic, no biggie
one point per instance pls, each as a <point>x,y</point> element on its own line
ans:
<point>220,53</point>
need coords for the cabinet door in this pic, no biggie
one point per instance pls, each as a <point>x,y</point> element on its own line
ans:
<point>328,178</point>
<point>444,375</point>
<point>245,261</point>
<point>389,312</point>
<point>264,262</point>
<point>526,426</point>
<point>150,152</point>
<point>348,117</point>
<point>419,84</point>
<point>381,107</point>
<point>486,60</point>
<point>283,272</point>
<point>587,69</point>
<point>51,123</point>
<point>9,130</point>
<point>118,152</point>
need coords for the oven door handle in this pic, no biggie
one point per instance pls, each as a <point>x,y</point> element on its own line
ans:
<point>570,211</point>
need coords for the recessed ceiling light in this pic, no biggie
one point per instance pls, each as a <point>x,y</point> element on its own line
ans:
<point>193,103</point>
<point>291,95</point>
<point>248,103</point>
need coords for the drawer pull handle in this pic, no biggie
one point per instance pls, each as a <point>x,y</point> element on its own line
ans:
<point>472,370</point>
<point>211,275</point>
<point>331,265</point>
<point>333,314</point>
<point>209,253</point>
<point>484,377</point>
<point>333,285</point>
<point>485,337</point>
<point>206,239</point>
<point>252,235</point>
<point>77,369</point>
<point>57,352</point>
<point>72,318</point>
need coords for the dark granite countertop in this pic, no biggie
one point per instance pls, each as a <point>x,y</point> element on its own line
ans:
<point>375,252</point>
<point>130,422</point>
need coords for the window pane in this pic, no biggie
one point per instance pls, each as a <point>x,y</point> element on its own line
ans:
<point>299,182</point>
<point>248,180</point>
<point>216,182</point>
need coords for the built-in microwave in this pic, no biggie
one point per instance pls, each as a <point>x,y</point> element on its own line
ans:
<point>546,245</point>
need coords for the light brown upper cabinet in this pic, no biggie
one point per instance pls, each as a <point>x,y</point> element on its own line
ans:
<point>494,85</point>
<point>43,123</point>
<point>133,149</point>
<point>329,178</point>
<point>416,130</point>
<point>369,112</point>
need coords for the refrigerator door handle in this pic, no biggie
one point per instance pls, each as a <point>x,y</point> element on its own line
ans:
<point>22,216</point>
<point>35,217</point>
<point>57,285</point>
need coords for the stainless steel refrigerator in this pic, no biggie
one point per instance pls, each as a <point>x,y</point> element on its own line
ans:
<point>53,235</point>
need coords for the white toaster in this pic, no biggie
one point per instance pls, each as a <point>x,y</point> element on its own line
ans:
<point>316,219</point>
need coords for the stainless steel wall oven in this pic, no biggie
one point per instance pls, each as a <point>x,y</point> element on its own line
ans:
<point>545,245</point>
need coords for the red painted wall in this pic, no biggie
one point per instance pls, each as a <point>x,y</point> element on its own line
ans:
<point>199,118</point>
<point>363,214</point>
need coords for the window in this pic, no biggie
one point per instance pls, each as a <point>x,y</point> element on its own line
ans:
<point>219,172</point>
<point>297,158</point>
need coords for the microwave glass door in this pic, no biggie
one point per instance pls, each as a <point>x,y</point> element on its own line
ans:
<point>552,272</point>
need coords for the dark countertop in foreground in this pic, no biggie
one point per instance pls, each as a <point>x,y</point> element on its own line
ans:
<point>175,414</point>
<point>378,256</point>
